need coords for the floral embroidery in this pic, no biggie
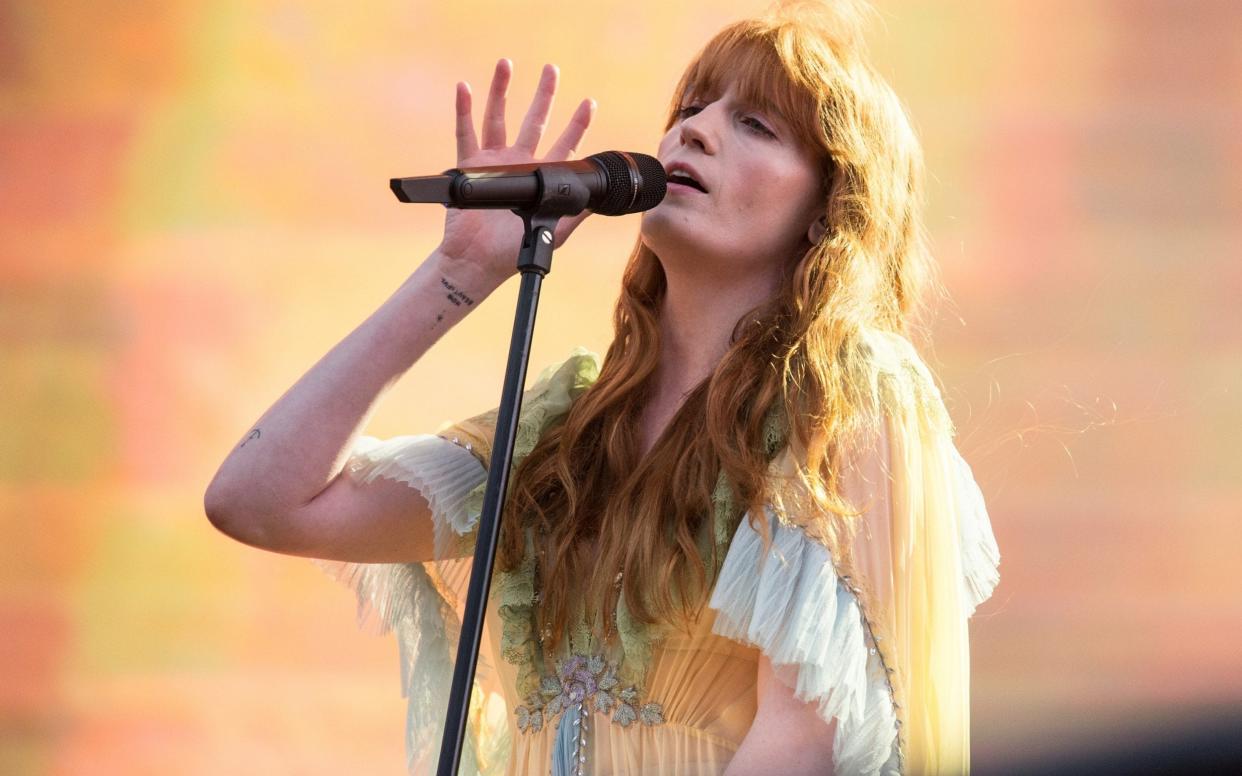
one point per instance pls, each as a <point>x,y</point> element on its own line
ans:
<point>591,681</point>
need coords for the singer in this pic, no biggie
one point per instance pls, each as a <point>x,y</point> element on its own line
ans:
<point>743,541</point>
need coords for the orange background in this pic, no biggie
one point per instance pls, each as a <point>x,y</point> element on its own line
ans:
<point>194,207</point>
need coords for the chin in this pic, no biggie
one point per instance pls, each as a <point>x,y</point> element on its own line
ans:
<point>663,229</point>
<point>657,239</point>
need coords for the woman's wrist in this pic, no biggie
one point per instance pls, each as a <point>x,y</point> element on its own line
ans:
<point>466,277</point>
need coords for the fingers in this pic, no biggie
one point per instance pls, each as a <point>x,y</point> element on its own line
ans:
<point>494,113</point>
<point>567,144</point>
<point>533,126</point>
<point>536,120</point>
<point>467,144</point>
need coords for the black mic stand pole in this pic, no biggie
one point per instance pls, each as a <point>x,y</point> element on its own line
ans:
<point>561,193</point>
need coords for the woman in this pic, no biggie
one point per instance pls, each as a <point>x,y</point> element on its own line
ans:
<point>745,542</point>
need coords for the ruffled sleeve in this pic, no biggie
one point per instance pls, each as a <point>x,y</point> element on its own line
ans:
<point>445,472</point>
<point>865,616</point>
<point>980,554</point>
<point>804,618</point>
<point>419,602</point>
<point>803,611</point>
<point>422,602</point>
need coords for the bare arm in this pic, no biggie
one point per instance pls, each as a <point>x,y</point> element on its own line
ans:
<point>279,488</point>
<point>788,736</point>
<point>282,487</point>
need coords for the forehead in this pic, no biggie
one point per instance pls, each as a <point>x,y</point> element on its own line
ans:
<point>755,89</point>
<point>753,74</point>
<point>727,91</point>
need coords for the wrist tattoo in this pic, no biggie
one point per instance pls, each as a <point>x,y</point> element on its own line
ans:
<point>455,294</point>
<point>252,435</point>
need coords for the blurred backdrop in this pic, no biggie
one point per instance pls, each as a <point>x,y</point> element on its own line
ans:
<point>194,208</point>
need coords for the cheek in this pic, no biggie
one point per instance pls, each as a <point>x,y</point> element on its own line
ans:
<point>667,142</point>
<point>776,203</point>
<point>765,190</point>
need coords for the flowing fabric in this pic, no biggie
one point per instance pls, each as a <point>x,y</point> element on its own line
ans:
<point>866,618</point>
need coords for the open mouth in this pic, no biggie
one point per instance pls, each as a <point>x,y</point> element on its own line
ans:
<point>686,180</point>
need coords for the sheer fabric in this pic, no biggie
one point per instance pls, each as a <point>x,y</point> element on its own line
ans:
<point>868,622</point>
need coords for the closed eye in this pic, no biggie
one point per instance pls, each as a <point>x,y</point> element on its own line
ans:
<point>755,124</point>
<point>758,125</point>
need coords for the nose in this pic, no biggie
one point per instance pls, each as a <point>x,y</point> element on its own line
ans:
<point>694,132</point>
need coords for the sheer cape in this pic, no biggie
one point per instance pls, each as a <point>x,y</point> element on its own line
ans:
<point>864,617</point>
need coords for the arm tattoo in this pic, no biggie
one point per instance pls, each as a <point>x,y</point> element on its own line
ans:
<point>252,435</point>
<point>455,294</point>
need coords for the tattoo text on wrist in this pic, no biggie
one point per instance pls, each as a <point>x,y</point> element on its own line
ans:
<point>455,294</point>
<point>252,435</point>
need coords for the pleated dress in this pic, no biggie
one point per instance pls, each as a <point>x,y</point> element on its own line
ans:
<point>868,625</point>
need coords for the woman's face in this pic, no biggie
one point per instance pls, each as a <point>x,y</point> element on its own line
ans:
<point>763,190</point>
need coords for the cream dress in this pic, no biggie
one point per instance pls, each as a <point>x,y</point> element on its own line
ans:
<point>869,625</point>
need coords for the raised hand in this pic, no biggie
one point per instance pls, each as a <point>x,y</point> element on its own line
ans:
<point>490,239</point>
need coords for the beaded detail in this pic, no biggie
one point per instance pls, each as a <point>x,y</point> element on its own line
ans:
<point>871,639</point>
<point>591,683</point>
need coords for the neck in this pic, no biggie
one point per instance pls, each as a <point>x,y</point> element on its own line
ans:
<point>696,321</point>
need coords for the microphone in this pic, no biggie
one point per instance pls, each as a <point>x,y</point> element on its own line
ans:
<point>611,183</point>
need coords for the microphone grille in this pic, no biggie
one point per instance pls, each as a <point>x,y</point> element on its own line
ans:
<point>636,182</point>
<point>654,183</point>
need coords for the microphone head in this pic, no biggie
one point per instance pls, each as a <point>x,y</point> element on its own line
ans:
<point>654,182</point>
<point>636,182</point>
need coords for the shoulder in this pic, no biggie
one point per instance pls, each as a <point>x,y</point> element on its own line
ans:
<point>901,386</point>
<point>561,382</point>
<point>901,418</point>
<point>544,403</point>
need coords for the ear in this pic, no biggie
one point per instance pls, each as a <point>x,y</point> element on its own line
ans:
<point>816,232</point>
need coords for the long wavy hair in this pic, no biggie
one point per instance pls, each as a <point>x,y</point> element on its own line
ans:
<point>584,484</point>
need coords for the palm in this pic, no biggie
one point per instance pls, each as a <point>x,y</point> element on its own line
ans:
<point>490,238</point>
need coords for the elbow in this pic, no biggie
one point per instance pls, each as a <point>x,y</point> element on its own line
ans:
<point>221,510</point>
<point>271,529</point>
<point>226,513</point>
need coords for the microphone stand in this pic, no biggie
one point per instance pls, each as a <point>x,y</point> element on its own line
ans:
<point>561,193</point>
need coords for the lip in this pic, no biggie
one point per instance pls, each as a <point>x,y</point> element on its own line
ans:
<point>682,188</point>
<point>674,167</point>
